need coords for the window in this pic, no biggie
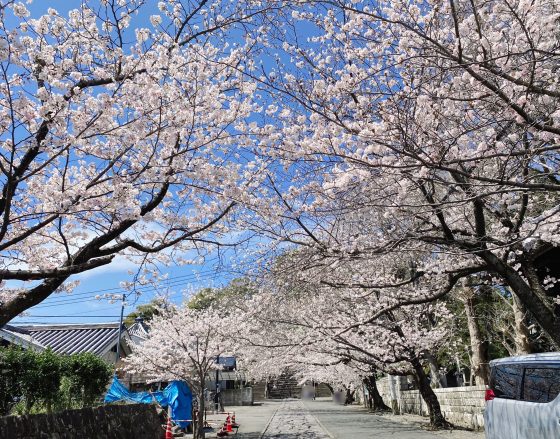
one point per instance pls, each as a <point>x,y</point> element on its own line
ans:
<point>540,384</point>
<point>505,380</point>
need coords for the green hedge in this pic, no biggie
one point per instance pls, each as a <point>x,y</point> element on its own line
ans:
<point>33,381</point>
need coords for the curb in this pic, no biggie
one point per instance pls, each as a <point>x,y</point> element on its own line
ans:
<point>268,424</point>
<point>329,434</point>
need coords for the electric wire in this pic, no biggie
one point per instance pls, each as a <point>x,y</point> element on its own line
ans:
<point>142,290</point>
<point>121,290</point>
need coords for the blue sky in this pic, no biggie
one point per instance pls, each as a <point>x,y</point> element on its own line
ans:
<point>82,305</point>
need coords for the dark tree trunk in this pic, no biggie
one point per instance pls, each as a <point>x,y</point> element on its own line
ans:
<point>438,379</point>
<point>349,397</point>
<point>479,347</point>
<point>330,388</point>
<point>198,421</point>
<point>531,296</point>
<point>436,417</point>
<point>522,341</point>
<point>375,401</point>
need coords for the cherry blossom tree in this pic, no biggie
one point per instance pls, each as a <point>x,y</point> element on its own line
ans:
<point>182,344</point>
<point>428,129</point>
<point>318,330</point>
<point>118,136</point>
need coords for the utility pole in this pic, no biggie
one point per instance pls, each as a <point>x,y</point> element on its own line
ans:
<point>217,397</point>
<point>120,331</point>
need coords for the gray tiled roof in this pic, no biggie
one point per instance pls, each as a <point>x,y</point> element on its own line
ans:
<point>70,339</point>
<point>138,329</point>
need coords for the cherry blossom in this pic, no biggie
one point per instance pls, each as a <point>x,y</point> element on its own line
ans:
<point>182,344</point>
<point>116,138</point>
<point>422,132</point>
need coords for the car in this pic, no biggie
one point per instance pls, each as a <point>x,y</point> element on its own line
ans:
<point>522,400</point>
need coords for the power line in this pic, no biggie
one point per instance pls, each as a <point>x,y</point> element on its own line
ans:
<point>76,314</point>
<point>65,323</point>
<point>67,316</point>
<point>147,289</point>
<point>121,290</point>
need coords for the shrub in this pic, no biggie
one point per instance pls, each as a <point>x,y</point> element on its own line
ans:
<point>88,376</point>
<point>11,362</point>
<point>37,381</point>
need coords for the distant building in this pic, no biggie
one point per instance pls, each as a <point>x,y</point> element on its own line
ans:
<point>138,331</point>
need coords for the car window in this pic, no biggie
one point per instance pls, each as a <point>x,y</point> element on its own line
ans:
<point>505,380</point>
<point>540,384</point>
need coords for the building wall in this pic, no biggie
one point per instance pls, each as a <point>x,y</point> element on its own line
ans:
<point>462,406</point>
<point>131,421</point>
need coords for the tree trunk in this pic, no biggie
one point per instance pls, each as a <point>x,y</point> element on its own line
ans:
<point>479,348</point>
<point>349,399</point>
<point>528,295</point>
<point>521,336</point>
<point>375,401</point>
<point>438,380</point>
<point>198,421</point>
<point>12,308</point>
<point>436,417</point>
<point>330,388</point>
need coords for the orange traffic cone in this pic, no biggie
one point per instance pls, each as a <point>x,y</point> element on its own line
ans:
<point>168,432</point>
<point>222,432</point>
<point>228,424</point>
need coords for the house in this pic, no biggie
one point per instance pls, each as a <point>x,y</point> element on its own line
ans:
<point>138,331</point>
<point>98,338</point>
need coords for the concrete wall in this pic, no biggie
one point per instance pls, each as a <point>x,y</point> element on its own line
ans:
<point>131,421</point>
<point>243,396</point>
<point>462,406</point>
<point>259,390</point>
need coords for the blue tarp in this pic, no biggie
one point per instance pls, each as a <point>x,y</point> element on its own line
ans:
<point>177,395</point>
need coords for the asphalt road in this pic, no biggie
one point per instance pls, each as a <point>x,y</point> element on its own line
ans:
<point>323,419</point>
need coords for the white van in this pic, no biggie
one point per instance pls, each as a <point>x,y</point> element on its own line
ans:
<point>522,401</point>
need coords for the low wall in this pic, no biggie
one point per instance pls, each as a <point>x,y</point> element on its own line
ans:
<point>130,421</point>
<point>462,406</point>
<point>259,391</point>
<point>243,396</point>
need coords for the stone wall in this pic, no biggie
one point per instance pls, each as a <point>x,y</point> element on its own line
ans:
<point>130,421</point>
<point>462,406</point>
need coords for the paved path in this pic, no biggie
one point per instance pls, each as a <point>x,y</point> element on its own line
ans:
<point>323,419</point>
<point>293,420</point>
<point>349,422</point>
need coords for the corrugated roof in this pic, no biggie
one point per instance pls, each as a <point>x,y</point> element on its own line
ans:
<point>71,339</point>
